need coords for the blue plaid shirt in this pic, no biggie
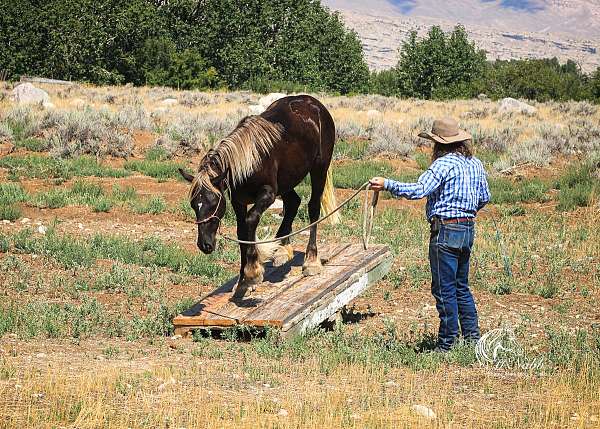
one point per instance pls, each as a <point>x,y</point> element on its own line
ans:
<point>455,187</point>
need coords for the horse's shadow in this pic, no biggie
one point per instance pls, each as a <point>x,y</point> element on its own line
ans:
<point>273,275</point>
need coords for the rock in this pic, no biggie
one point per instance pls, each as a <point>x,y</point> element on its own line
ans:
<point>42,229</point>
<point>170,101</point>
<point>40,355</point>
<point>283,412</point>
<point>391,383</point>
<point>26,93</point>
<point>176,337</point>
<point>277,205</point>
<point>256,109</point>
<point>25,220</point>
<point>6,148</point>
<point>510,105</point>
<point>424,411</point>
<point>374,113</point>
<point>269,99</point>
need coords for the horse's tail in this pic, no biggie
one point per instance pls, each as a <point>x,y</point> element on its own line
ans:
<point>328,201</point>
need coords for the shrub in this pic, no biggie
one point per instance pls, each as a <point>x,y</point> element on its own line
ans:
<point>33,144</point>
<point>161,170</point>
<point>12,193</point>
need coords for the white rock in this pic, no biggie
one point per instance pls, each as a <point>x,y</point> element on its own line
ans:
<point>277,205</point>
<point>256,109</point>
<point>509,105</point>
<point>283,412</point>
<point>25,220</point>
<point>269,99</point>
<point>424,411</point>
<point>27,93</point>
<point>80,225</point>
<point>6,221</point>
<point>40,355</point>
<point>42,229</point>
<point>176,337</point>
<point>170,101</point>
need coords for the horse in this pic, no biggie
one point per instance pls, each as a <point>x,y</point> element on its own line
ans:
<point>266,156</point>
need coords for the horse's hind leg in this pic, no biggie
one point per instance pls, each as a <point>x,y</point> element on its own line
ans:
<point>291,202</point>
<point>312,263</point>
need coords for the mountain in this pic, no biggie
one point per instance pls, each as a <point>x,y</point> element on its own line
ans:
<point>505,29</point>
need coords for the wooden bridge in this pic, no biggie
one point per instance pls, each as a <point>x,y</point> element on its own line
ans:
<point>286,299</point>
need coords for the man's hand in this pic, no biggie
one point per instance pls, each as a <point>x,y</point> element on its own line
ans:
<point>376,183</point>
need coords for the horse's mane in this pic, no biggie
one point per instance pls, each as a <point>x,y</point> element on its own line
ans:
<point>239,154</point>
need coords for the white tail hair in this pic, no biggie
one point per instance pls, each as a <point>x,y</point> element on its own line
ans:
<point>328,200</point>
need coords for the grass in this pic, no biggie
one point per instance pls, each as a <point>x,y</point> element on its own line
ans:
<point>351,175</point>
<point>44,167</point>
<point>506,191</point>
<point>579,185</point>
<point>33,144</point>
<point>71,252</point>
<point>161,170</point>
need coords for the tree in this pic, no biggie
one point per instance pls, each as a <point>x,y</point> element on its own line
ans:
<point>438,65</point>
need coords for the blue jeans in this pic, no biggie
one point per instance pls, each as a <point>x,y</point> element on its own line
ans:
<point>449,254</point>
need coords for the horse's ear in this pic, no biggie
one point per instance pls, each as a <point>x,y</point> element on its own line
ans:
<point>186,176</point>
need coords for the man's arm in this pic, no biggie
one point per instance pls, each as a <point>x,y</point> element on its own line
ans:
<point>429,181</point>
<point>484,193</point>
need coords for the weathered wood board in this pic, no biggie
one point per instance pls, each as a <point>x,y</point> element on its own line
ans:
<point>286,299</point>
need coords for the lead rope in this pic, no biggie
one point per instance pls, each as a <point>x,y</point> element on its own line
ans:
<point>368,213</point>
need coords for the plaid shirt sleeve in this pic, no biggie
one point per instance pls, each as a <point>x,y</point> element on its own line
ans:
<point>484,193</point>
<point>429,181</point>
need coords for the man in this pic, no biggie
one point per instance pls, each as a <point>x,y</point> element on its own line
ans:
<point>456,188</point>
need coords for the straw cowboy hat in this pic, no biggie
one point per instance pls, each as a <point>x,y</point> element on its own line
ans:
<point>446,131</point>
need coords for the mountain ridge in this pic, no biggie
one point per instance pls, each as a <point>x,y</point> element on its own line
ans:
<point>382,26</point>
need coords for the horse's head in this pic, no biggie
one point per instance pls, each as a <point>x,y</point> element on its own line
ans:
<point>207,198</point>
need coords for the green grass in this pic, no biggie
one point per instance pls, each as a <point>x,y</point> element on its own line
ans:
<point>161,170</point>
<point>11,193</point>
<point>351,175</point>
<point>355,149</point>
<point>71,252</point>
<point>578,185</point>
<point>505,191</point>
<point>157,154</point>
<point>153,205</point>
<point>44,167</point>
<point>33,144</point>
<point>10,212</point>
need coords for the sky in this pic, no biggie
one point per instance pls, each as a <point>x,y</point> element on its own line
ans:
<point>531,6</point>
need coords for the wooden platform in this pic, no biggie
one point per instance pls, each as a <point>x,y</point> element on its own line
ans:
<point>286,299</point>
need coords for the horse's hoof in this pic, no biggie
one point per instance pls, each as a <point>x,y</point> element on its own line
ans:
<point>312,269</point>
<point>283,255</point>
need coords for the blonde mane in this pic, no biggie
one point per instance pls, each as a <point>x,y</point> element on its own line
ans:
<point>239,154</point>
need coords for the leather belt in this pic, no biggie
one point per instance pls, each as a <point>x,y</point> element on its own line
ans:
<point>457,220</point>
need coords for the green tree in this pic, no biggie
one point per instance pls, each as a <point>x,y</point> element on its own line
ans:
<point>439,65</point>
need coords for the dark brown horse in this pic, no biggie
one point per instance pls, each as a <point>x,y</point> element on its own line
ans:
<point>266,156</point>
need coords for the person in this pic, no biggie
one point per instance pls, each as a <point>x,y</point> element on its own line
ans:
<point>456,188</point>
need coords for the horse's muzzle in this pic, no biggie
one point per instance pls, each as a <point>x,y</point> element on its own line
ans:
<point>206,248</point>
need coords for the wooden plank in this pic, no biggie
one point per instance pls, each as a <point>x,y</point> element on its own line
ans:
<point>338,298</point>
<point>215,309</point>
<point>307,288</point>
<point>311,290</point>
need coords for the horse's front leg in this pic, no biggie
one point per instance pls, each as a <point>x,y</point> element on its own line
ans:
<point>241,211</point>
<point>253,270</point>
<point>312,263</point>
